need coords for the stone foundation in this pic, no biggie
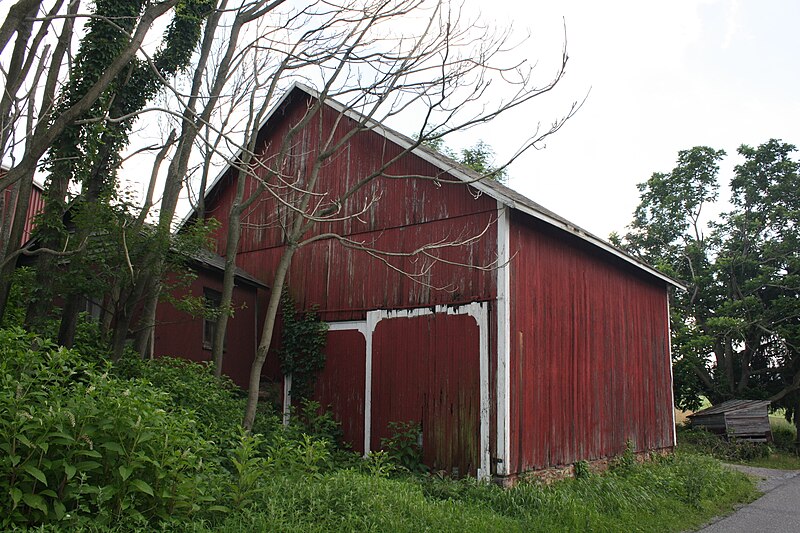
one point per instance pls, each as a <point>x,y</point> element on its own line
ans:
<point>557,473</point>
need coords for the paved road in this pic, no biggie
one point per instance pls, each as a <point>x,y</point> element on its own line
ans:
<point>778,510</point>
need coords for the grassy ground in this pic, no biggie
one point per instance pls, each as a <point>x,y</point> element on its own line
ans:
<point>676,493</point>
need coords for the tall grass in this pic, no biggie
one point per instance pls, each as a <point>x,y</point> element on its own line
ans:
<point>672,494</point>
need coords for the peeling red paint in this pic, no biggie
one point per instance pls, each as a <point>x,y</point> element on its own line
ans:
<point>426,370</point>
<point>591,367</point>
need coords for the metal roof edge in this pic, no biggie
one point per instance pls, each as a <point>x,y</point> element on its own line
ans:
<point>480,183</point>
<point>485,186</point>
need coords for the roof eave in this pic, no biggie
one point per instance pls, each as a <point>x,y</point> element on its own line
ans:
<point>478,182</point>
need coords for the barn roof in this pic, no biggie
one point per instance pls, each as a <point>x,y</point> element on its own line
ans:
<point>731,406</point>
<point>492,188</point>
<point>212,261</point>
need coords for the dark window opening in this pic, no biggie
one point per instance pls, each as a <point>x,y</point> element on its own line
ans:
<point>213,299</point>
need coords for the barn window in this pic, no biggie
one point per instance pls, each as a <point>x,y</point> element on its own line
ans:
<point>213,299</point>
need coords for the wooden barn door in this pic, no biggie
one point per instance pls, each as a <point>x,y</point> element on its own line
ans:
<point>426,369</point>
<point>340,385</point>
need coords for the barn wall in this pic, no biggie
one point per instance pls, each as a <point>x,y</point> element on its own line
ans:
<point>340,387</point>
<point>404,214</point>
<point>590,365</point>
<point>178,334</point>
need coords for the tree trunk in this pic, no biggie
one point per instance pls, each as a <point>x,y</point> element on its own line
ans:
<point>266,335</point>
<point>14,239</point>
<point>234,233</point>
<point>69,320</point>
<point>147,323</point>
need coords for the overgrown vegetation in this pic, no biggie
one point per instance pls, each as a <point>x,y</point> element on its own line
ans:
<point>303,340</point>
<point>142,445</point>
<point>780,453</point>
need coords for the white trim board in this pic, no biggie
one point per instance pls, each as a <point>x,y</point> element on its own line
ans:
<point>503,445</point>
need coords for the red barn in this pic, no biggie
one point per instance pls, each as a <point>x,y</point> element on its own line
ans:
<point>558,352</point>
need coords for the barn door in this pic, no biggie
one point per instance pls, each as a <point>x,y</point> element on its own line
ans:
<point>426,369</point>
<point>340,385</point>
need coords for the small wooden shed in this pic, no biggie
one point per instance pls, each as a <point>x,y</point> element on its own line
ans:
<point>742,419</point>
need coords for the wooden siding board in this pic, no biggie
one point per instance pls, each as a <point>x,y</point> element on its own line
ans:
<point>426,370</point>
<point>591,361</point>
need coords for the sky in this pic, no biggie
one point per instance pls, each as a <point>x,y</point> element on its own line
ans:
<point>660,77</point>
<point>657,77</point>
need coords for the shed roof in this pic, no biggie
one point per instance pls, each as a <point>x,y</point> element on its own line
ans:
<point>212,261</point>
<point>492,188</point>
<point>731,406</point>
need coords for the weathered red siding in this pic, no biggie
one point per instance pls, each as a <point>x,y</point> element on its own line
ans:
<point>405,214</point>
<point>426,370</point>
<point>178,334</point>
<point>340,386</point>
<point>590,364</point>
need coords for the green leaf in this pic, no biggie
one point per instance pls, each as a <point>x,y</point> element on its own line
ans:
<point>35,472</point>
<point>35,501</point>
<point>59,509</point>
<point>16,495</point>
<point>125,472</point>
<point>70,471</point>
<point>113,446</point>
<point>142,486</point>
<point>83,466</point>
<point>89,453</point>
<point>219,508</point>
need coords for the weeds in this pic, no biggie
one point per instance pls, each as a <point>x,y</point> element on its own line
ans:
<point>85,448</point>
<point>403,446</point>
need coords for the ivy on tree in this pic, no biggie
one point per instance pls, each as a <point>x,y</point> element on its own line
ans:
<point>301,353</point>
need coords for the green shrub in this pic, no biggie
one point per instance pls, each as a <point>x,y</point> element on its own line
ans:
<point>730,449</point>
<point>403,446</point>
<point>78,442</point>
<point>783,438</point>
<point>217,403</point>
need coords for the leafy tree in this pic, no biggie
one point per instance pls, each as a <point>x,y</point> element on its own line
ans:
<point>479,157</point>
<point>88,152</point>
<point>736,329</point>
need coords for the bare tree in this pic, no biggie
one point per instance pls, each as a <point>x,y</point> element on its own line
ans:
<point>446,70</point>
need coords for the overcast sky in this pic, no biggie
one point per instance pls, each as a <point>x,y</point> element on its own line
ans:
<point>661,76</point>
<point>664,76</point>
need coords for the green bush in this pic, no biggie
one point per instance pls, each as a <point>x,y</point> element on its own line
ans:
<point>403,446</point>
<point>217,403</point>
<point>78,442</point>
<point>783,438</point>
